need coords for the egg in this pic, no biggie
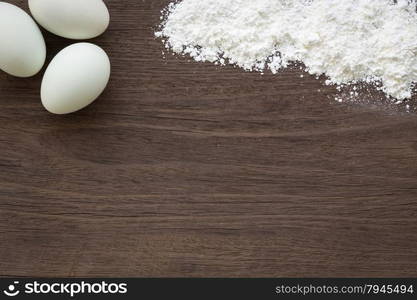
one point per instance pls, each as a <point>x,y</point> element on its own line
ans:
<point>75,78</point>
<point>72,19</point>
<point>22,47</point>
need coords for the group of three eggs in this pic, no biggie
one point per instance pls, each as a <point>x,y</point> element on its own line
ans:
<point>79,73</point>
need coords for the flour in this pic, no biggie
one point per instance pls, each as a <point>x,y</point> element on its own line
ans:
<point>349,41</point>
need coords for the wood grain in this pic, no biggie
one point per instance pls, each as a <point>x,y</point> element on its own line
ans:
<point>185,169</point>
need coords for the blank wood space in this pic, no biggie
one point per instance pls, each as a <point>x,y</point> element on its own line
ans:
<point>190,169</point>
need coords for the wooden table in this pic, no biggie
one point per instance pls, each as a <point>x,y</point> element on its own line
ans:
<point>190,169</point>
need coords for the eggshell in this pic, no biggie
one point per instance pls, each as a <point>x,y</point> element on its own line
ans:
<point>72,19</point>
<point>75,77</point>
<point>22,47</point>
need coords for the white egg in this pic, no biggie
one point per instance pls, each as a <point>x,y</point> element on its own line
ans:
<point>22,47</point>
<point>75,77</point>
<point>72,19</point>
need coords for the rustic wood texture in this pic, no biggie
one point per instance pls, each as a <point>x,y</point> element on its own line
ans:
<point>185,169</point>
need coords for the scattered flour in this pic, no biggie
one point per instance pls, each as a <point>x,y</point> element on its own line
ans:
<point>350,41</point>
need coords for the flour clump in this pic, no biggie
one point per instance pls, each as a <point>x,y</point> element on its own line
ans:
<point>349,41</point>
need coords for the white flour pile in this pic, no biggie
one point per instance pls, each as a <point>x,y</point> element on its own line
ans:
<point>349,41</point>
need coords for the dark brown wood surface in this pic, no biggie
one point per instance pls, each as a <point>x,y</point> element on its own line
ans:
<point>190,169</point>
